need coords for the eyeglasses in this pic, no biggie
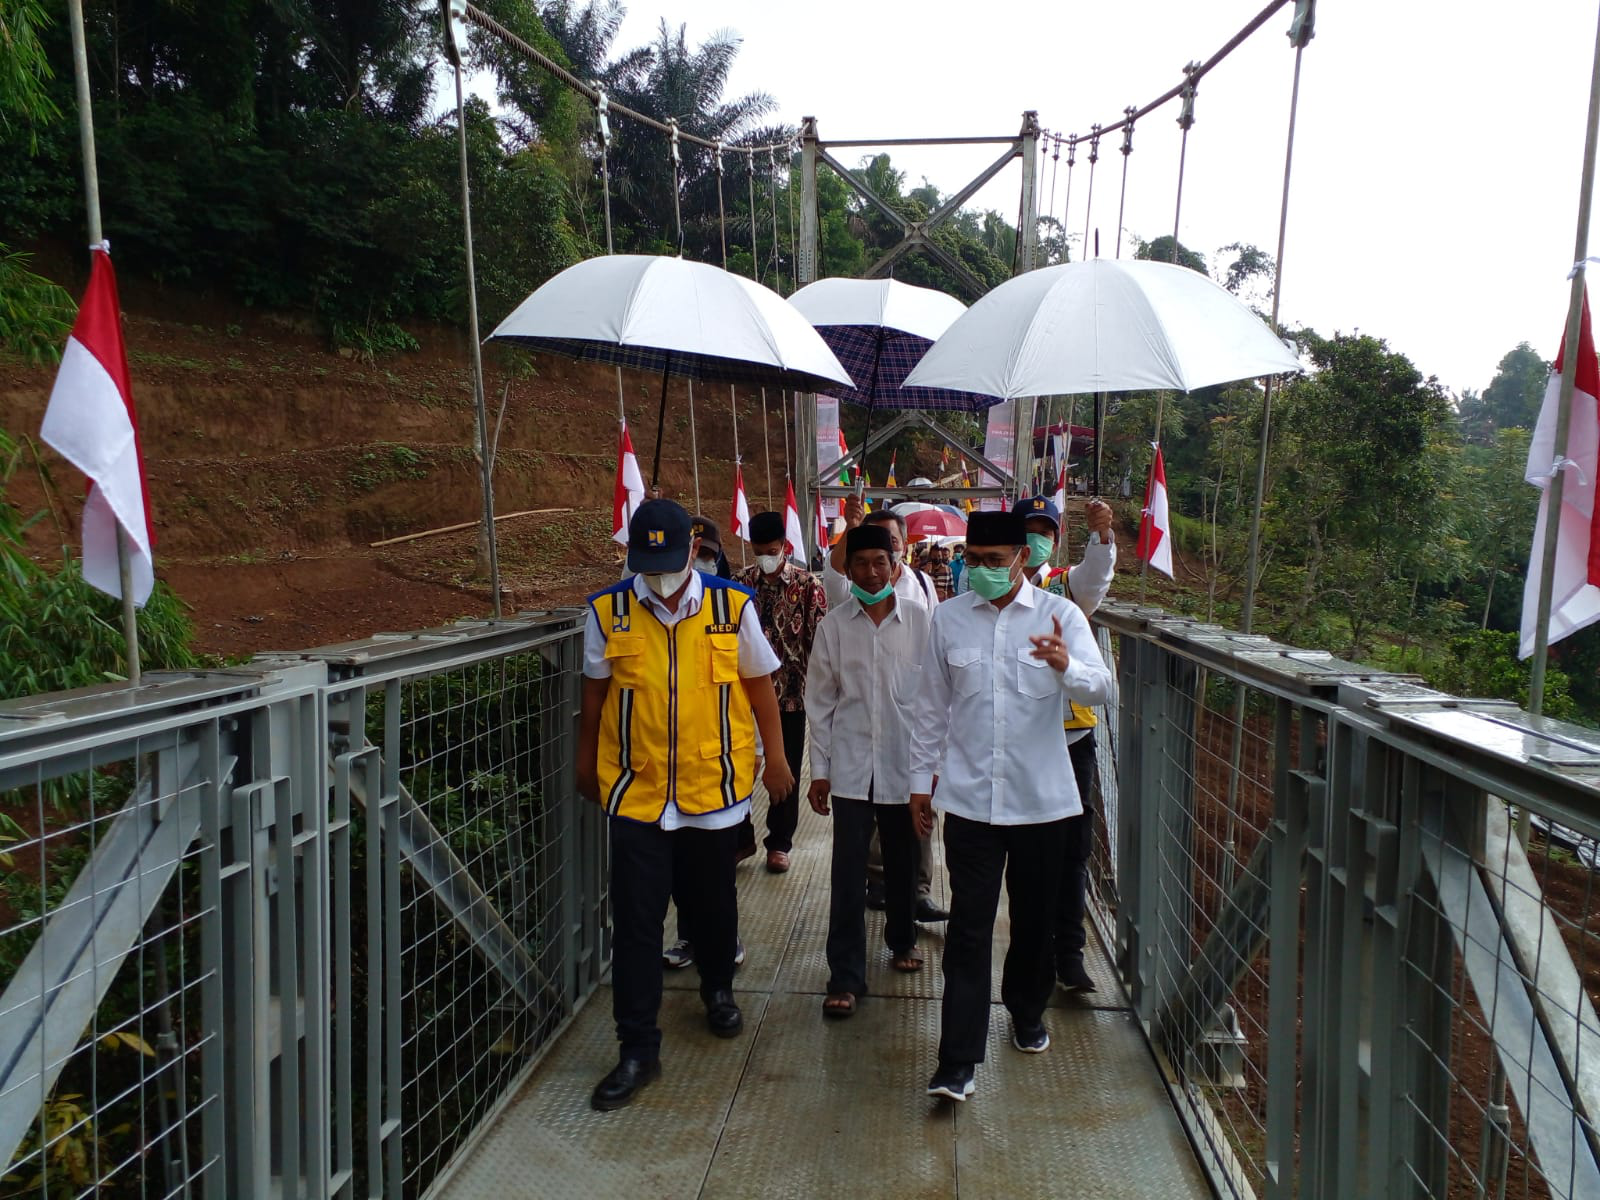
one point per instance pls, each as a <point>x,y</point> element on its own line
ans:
<point>993,558</point>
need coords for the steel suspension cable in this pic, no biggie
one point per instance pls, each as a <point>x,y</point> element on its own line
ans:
<point>772,185</point>
<point>738,463</point>
<point>603,132</point>
<point>547,64</point>
<point>788,187</point>
<point>1301,32</point>
<point>1127,149</point>
<point>722,211</point>
<point>1088,208</point>
<point>1185,122</point>
<point>1055,166</point>
<point>1066,204</point>
<point>766,444</point>
<point>677,184</point>
<point>755,258</point>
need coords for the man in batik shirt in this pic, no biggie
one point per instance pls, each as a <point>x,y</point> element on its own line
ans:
<point>791,604</point>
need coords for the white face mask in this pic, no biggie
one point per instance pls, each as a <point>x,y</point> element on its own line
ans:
<point>769,563</point>
<point>667,582</point>
<point>708,565</point>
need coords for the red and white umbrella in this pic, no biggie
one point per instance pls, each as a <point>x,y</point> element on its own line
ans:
<point>935,523</point>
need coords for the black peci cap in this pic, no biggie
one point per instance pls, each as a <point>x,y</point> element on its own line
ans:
<point>997,529</point>
<point>766,527</point>
<point>868,537</point>
<point>658,538</point>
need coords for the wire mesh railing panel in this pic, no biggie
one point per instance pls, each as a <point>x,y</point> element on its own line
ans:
<point>109,1067</point>
<point>1357,978</point>
<point>484,851</point>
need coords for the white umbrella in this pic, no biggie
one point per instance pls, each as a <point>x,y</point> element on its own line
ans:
<point>677,317</point>
<point>1103,326</point>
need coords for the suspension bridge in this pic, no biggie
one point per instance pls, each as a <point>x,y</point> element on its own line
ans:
<point>333,922</point>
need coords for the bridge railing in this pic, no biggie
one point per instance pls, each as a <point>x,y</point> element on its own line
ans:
<point>1355,978</point>
<point>293,928</point>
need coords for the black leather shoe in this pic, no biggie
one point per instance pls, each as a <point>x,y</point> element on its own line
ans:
<point>617,1089</point>
<point>1073,976</point>
<point>723,1017</point>
<point>928,911</point>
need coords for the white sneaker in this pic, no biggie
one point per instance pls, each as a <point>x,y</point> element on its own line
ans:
<point>678,956</point>
<point>738,951</point>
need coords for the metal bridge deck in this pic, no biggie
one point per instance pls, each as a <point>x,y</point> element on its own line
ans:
<point>799,1107</point>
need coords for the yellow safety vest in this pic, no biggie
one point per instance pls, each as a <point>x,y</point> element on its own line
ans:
<point>676,726</point>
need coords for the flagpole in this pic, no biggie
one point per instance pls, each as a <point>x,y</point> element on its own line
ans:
<point>91,188</point>
<point>1569,369</point>
<point>1149,488</point>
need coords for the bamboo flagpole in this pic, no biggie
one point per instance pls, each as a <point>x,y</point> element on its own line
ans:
<point>91,188</point>
<point>1569,370</point>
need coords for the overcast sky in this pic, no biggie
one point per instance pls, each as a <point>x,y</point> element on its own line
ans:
<point>1437,155</point>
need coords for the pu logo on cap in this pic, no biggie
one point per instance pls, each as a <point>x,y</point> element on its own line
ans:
<point>697,528</point>
<point>657,537</point>
<point>1038,503</point>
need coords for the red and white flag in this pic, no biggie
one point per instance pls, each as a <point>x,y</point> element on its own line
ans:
<point>793,530</point>
<point>1155,526</point>
<point>91,422</point>
<point>628,493</point>
<point>1061,479</point>
<point>1575,590</point>
<point>741,507</point>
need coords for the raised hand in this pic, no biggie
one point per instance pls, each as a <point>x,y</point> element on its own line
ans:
<point>1052,648</point>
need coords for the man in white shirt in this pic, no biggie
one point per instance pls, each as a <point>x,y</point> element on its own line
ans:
<point>910,584</point>
<point>674,663</point>
<point>865,665</point>
<point>1001,665</point>
<point>1085,585</point>
<point>912,587</point>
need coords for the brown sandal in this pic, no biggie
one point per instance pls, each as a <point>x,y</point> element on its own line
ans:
<point>839,1005</point>
<point>907,962</point>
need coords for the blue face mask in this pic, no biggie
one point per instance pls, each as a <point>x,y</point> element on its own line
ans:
<point>866,597</point>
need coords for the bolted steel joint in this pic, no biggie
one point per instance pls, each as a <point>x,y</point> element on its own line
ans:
<point>1127,131</point>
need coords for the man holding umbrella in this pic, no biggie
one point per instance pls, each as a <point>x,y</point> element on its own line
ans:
<point>677,678</point>
<point>1085,585</point>
<point>1002,663</point>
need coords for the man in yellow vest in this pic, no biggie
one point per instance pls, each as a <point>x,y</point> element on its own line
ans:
<point>1086,585</point>
<point>677,679</point>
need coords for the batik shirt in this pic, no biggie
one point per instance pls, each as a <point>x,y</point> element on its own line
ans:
<point>791,607</point>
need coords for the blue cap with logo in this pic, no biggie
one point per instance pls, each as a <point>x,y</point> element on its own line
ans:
<point>1039,506</point>
<point>659,537</point>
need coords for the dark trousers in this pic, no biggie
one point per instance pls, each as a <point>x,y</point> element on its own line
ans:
<point>1072,901</point>
<point>978,856</point>
<point>648,865</point>
<point>853,825</point>
<point>782,818</point>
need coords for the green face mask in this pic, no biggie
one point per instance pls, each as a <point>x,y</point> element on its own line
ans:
<point>1039,547</point>
<point>866,597</point>
<point>990,582</point>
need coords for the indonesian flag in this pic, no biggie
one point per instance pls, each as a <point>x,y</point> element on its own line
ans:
<point>741,506</point>
<point>824,533</point>
<point>1574,594</point>
<point>1061,480</point>
<point>91,422</point>
<point>793,532</point>
<point>1155,527</point>
<point>628,493</point>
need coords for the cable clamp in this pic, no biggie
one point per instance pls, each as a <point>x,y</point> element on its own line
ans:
<point>1581,264</point>
<point>602,116</point>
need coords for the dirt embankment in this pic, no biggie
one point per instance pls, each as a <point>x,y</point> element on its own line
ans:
<point>274,461</point>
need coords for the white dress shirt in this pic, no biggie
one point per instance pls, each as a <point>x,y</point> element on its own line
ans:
<point>992,713</point>
<point>909,587</point>
<point>755,659</point>
<point>860,686</point>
